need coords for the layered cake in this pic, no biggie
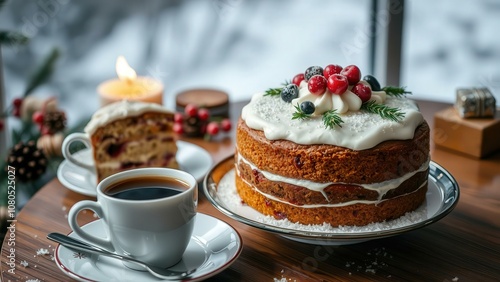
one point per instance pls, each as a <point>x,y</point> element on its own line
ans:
<point>330,147</point>
<point>131,134</point>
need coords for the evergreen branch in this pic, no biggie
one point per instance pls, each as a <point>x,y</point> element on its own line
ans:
<point>43,72</point>
<point>299,114</point>
<point>3,3</point>
<point>12,38</point>
<point>332,119</point>
<point>384,111</point>
<point>273,91</point>
<point>395,91</point>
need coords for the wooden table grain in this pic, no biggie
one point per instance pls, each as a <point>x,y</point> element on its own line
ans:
<point>463,246</point>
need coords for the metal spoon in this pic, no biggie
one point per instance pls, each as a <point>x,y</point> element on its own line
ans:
<point>159,272</point>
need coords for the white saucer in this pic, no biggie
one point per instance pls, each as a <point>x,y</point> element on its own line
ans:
<point>191,158</point>
<point>442,196</point>
<point>213,247</point>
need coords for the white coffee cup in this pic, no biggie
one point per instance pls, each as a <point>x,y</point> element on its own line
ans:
<point>156,231</point>
<point>77,137</point>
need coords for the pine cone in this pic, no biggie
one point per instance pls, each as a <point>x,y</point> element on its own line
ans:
<point>29,162</point>
<point>54,122</point>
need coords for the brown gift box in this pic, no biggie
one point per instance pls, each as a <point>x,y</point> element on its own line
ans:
<point>474,137</point>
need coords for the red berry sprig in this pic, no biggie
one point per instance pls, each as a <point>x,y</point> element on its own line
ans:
<point>197,122</point>
<point>16,110</point>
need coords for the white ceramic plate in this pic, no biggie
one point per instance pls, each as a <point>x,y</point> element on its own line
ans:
<point>213,247</point>
<point>441,198</point>
<point>191,158</point>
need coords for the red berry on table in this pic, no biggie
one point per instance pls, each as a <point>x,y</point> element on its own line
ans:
<point>37,117</point>
<point>317,85</point>
<point>178,117</point>
<point>213,128</point>
<point>226,125</point>
<point>17,102</point>
<point>298,79</point>
<point>331,69</point>
<point>191,110</point>
<point>203,114</point>
<point>352,73</point>
<point>177,128</point>
<point>337,84</point>
<point>362,91</point>
<point>2,125</point>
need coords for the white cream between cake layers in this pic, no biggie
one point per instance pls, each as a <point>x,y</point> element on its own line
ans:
<point>360,130</point>
<point>119,110</point>
<point>381,188</point>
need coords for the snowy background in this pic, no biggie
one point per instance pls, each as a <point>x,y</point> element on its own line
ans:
<point>242,46</point>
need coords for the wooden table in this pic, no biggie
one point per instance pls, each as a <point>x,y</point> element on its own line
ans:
<point>464,246</point>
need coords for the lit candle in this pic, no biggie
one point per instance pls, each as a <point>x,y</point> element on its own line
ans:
<point>129,86</point>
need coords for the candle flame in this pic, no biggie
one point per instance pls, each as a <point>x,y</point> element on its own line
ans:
<point>124,71</point>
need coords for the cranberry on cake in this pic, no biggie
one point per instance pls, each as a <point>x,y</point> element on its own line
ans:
<point>131,134</point>
<point>330,147</point>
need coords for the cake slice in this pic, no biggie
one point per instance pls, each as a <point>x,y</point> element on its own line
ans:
<point>130,134</point>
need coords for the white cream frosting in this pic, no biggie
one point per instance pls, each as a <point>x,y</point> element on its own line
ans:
<point>331,205</point>
<point>119,110</point>
<point>360,130</point>
<point>381,188</point>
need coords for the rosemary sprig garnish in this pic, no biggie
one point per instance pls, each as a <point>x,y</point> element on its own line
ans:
<point>384,111</point>
<point>395,91</point>
<point>332,119</point>
<point>299,114</point>
<point>277,91</point>
<point>273,91</point>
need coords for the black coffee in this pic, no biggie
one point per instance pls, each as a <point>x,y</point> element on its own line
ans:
<point>146,188</point>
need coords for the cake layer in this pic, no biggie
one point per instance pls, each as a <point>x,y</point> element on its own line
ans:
<point>330,194</point>
<point>352,215</point>
<point>330,163</point>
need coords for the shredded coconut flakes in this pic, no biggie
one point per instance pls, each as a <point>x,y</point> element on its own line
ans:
<point>226,192</point>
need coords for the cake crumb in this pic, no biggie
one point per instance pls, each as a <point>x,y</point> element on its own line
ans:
<point>371,270</point>
<point>42,251</point>
<point>455,279</point>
